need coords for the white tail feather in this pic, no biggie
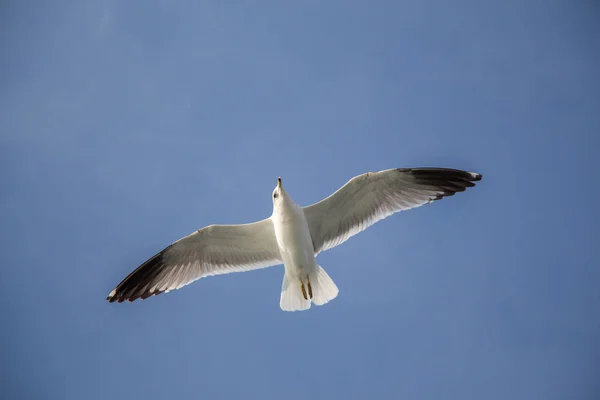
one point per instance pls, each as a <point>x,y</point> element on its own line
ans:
<point>291,296</point>
<point>323,290</point>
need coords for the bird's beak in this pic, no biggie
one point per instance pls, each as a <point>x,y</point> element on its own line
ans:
<point>279,182</point>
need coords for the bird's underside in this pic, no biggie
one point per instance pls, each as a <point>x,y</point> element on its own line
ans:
<point>222,249</point>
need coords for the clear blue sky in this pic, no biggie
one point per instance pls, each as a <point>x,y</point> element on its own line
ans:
<point>128,124</point>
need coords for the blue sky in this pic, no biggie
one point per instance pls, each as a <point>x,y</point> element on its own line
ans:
<point>126,125</point>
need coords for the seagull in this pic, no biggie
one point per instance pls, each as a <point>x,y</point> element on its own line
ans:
<point>292,236</point>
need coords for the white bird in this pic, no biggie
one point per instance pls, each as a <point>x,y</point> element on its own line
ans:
<point>293,235</point>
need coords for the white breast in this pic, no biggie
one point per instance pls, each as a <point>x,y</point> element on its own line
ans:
<point>293,238</point>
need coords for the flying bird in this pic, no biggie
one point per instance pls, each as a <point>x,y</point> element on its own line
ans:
<point>293,236</point>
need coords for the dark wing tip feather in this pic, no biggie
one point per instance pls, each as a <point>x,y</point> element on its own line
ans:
<point>449,181</point>
<point>137,284</point>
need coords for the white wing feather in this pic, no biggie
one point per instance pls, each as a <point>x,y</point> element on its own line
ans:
<point>213,250</point>
<point>368,198</point>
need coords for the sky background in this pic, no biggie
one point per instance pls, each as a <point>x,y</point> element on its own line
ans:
<point>125,125</point>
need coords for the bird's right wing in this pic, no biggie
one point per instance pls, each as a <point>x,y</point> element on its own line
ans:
<point>213,250</point>
<point>370,197</point>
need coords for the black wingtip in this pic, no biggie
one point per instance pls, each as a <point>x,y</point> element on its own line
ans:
<point>137,284</point>
<point>450,181</point>
<point>431,174</point>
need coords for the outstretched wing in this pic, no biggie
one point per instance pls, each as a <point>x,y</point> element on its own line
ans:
<point>370,197</point>
<point>213,250</point>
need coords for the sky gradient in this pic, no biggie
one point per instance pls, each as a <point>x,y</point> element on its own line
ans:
<point>125,125</point>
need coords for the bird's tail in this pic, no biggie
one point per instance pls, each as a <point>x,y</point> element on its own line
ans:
<point>298,293</point>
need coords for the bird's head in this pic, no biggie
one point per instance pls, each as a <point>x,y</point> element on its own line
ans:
<point>278,192</point>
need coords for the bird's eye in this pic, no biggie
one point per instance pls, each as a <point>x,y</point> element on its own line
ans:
<point>275,195</point>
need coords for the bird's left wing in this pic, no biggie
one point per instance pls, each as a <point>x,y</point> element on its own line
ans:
<point>213,250</point>
<point>370,197</point>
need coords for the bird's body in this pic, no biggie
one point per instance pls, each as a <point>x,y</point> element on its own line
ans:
<point>292,236</point>
<point>298,256</point>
